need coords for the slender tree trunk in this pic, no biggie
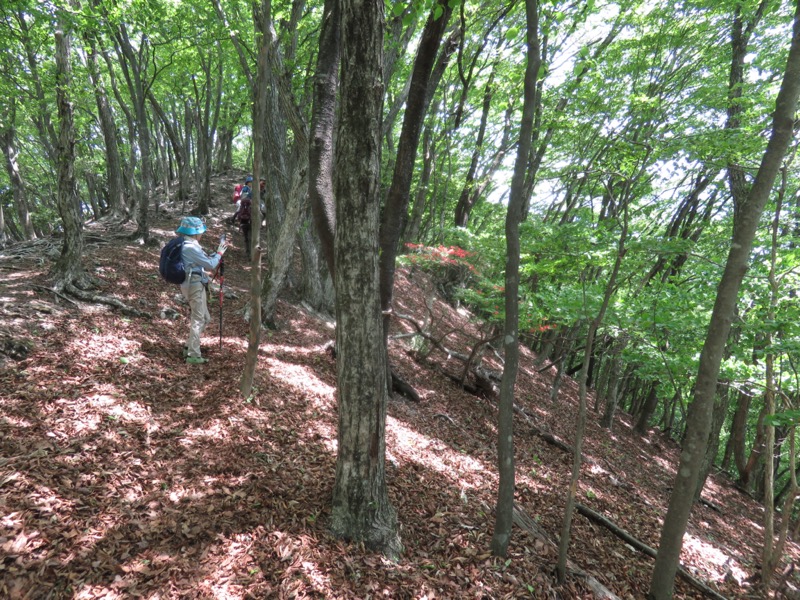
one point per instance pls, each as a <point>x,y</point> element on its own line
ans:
<point>133,69</point>
<point>411,232</point>
<point>178,148</point>
<point>514,216</point>
<point>10,153</point>
<point>396,206</point>
<point>745,224</point>
<point>259,116</point>
<point>648,408</point>
<point>467,199</point>
<point>116,207</point>
<point>717,421</point>
<point>572,491</point>
<point>361,508</point>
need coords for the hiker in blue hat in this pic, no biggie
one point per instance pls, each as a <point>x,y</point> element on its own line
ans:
<point>194,288</point>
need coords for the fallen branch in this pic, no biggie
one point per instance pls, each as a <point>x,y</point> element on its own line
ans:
<point>643,548</point>
<point>402,387</point>
<point>52,291</point>
<point>522,520</point>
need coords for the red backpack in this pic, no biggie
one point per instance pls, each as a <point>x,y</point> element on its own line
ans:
<point>237,193</point>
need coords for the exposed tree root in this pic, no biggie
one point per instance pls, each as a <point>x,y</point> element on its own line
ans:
<point>100,299</point>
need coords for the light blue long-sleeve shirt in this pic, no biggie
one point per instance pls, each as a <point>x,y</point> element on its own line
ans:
<point>197,262</point>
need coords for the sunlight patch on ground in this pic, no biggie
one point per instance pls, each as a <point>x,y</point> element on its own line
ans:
<point>434,454</point>
<point>304,379</point>
<point>98,346</point>
<point>213,431</point>
<point>15,421</point>
<point>717,561</point>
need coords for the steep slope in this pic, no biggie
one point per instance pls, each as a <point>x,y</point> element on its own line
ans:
<point>126,473</point>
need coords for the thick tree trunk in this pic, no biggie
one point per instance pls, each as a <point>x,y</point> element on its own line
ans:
<point>323,119</point>
<point>68,267</point>
<point>283,250</point>
<point>361,509</point>
<point>745,224</point>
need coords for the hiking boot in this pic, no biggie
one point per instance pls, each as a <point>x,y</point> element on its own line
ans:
<point>196,360</point>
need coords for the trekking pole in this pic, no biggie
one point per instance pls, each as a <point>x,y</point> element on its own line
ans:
<point>221,283</point>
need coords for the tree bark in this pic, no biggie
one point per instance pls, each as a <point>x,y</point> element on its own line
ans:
<point>648,407</point>
<point>68,266</point>
<point>259,115</point>
<point>132,67</point>
<point>361,509</point>
<point>10,153</point>
<point>323,119</point>
<point>745,224</point>
<point>116,207</point>
<point>396,206</point>
<point>504,512</point>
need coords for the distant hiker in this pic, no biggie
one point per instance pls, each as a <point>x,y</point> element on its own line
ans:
<point>237,196</point>
<point>197,265</point>
<point>244,213</point>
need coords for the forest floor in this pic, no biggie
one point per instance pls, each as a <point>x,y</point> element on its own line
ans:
<point>125,473</point>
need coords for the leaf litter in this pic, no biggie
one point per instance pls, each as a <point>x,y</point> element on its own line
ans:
<point>150,478</point>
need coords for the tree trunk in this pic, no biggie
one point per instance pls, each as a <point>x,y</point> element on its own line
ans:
<point>504,513</point>
<point>648,408</point>
<point>396,206</point>
<point>323,119</point>
<point>607,421</point>
<point>178,148</point>
<point>259,116</point>
<point>361,509</point>
<point>132,67</point>
<point>10,153</point>
<point>745,224</point>
<point>68,267</point>
<point>580,425</point>
<point>467,199</point>
<point>411,232</point>
<point>116,207</point>
<point>717,421</point>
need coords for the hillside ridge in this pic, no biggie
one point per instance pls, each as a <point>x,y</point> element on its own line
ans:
<point>126,473</point>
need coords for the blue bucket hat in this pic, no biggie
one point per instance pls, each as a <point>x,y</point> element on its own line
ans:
<point>248,179</point>
<point>191,226</point>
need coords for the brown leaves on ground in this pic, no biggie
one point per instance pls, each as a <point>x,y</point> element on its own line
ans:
<point>126,473</point>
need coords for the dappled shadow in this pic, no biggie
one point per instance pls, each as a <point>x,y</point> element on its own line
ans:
<point>125,472</point>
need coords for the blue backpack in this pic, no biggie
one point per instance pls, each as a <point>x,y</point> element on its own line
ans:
<point>171,265</point>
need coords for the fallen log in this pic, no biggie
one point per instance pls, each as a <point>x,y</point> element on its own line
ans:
<point>522,520</point>
<point>643,548</point>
